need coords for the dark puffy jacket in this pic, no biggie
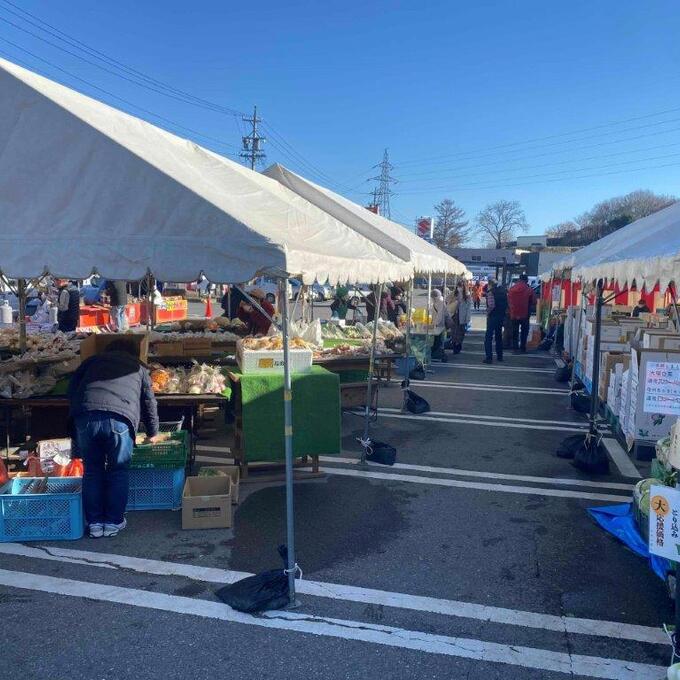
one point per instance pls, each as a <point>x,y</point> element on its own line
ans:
<point>117,291</point>
<point>500,301</point>
<point>115,382</point>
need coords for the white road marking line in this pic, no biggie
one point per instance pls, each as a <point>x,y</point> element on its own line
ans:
<point>505,419</point>
<point>214,459</point>
<point>390,636</point>
<point>495,367</point>
<point>490,388</point>
<point>509,353</point>
<point>621,459</point>
<point>486,475</point>
<point>481,486</point>
<point>214,449</point>
<point>334,591</point>
<point>489,423</point>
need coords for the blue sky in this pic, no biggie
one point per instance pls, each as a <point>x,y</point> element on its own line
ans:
<point>475,101</point>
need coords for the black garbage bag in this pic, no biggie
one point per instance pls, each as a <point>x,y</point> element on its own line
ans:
<point>258,593</point>
<point>577,385</point>
<point>591,456</point>
<point>380,452</point>
<point>569,446</point>
<point>417,373</point>
<point>580,402</point>
<point>415,403</point>
<point>545,344</point>
<point>563,373</point>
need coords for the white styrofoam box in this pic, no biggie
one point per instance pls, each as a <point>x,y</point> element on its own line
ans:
<point>271,361</point>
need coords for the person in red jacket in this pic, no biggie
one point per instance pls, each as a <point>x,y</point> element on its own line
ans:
<point>257,322</point>
<point>521,299</point>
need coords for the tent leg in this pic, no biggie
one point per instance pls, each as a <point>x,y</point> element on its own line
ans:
<point>377,291</point>
<point>288,442</point>
<point>409,305</point>
<point>595,389</point>
<point>21,290</point>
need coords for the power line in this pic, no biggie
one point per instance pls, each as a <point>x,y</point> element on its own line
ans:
<point>51,30</point>
<point>179,126</point>
<point>383,191</point>
<point>543,165</point>
<point>440,158</point>
<point>544,181</point>
<point>252,143</point>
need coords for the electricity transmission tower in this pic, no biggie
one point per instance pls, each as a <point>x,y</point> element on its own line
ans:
<point>382,192</point>
<point>252,149</point>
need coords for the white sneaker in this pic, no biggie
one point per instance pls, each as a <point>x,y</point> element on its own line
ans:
<point>96,530</point>
<point>113,529</point>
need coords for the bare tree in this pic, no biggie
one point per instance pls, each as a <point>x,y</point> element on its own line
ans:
<point>500,221</point>
<point>450,229</point>
<point>561,229</point>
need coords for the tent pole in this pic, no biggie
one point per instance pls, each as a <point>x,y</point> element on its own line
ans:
<point>288,441</point>
<point>377,292</point>
<point>677,313</point>
<point>427,322</point>
<point>595,385</point>
<point>575,353</point>
<point>22,314</point>
<point>408,325</point>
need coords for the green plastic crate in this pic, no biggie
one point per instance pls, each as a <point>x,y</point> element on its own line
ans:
<point>167,455</point>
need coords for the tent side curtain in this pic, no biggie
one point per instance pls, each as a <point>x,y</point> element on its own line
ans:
<point>85,187</point>
<point>425,257</point>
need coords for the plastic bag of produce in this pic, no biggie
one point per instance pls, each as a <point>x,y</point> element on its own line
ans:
<point>259,593</point>
<point>415,403</point>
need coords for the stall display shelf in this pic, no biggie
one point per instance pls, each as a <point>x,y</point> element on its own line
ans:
<point>51,516</point>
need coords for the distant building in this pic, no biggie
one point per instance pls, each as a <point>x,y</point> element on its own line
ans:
<point>485,262</point>
<point>532,241</point>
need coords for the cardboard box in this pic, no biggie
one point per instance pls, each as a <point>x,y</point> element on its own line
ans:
<point>670,342</point>
<point>232,471</point>
<point>194,347</point>
<point>96,344</point>
<point>168,349</point>
<point>206,503</point>
<point>609,361</point>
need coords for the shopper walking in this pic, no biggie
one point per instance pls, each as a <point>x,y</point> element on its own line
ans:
<point>109,394</point>
<point>459,307</point>
<point>68,306</point>
<point>439,317</point>
<point>117,292</point>
<point>476,295</point>
<point>521,299</point>
<point>496,306</point>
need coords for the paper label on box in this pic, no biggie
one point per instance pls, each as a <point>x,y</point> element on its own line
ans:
<point>664,522</point>
<point>662,388</point>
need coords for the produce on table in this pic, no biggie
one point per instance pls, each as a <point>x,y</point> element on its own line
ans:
<point>273,343</point>
<point>199,379</point>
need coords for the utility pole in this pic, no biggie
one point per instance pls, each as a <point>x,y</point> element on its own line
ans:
<point>383,192</point>
<point>252,149</point>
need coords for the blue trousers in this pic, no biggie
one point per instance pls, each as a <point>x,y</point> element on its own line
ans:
<point>494,330</point>
<point>104,442</point>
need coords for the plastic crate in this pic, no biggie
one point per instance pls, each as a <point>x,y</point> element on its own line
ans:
<point>54,515</point>
<point>152,489</point>
<point>163,455</point>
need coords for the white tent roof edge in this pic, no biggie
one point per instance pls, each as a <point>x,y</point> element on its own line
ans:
<point>85,187</point>
<point>424,257</point>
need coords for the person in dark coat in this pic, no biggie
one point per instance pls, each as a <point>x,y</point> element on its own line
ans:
<point>118,298</point>
<point>68,306</point>
<point>496,306</point>
<point>109,394</point>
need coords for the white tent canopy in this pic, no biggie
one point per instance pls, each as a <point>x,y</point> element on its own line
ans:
<point>86,187</point>
<point>424,257</point>
<point>647,251</point>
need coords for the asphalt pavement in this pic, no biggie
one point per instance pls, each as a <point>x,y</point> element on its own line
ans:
<point>473,557</point>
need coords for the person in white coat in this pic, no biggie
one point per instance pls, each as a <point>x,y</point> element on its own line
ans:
<point>439,322</point>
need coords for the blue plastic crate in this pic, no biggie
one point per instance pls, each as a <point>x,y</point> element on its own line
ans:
<point>152,489</point>
<point>54,515</point>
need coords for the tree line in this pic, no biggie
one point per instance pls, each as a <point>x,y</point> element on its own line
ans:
<point>498,223</point>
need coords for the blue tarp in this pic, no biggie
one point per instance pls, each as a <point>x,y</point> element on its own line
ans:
<point>619,521</point>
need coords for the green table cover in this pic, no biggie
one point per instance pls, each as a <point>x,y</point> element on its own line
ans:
<point>316,414</point>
